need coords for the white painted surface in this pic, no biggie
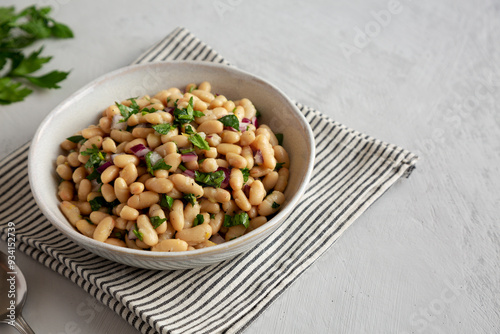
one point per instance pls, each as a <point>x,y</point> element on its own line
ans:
<point>424,257</point>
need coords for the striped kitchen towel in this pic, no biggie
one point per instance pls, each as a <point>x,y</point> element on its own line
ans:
<point>351,171</point>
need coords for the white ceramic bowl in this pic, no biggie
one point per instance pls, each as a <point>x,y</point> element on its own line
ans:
<point>83,107</point>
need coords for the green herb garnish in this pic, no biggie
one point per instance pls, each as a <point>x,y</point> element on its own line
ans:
<point>257,114</point>
<point>160,164</point>
<point>189,130</point>
<point>198,220</point>
<point>182,168</point>
<point>230,121</point>
<point>191,198</point>
<point>186,115</point>
<point>278,166</point>
<point>156,221</point>
<point>193,87</point>
<point>238,219</point>
<point>77,139</point>
<point>163,129</point>
<point>96,157</point>
<point>246,174</point>
<point>279,136</point>
<point>213,179</point>
<point>275,205</point>
<point>199,142</point>
<point>138,234</point>
<point>166,201</point>
<point>18,31</point>
<point>187,150</point>
<point>126,112</point>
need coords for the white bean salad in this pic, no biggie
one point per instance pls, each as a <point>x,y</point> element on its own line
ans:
<point>173,172</point>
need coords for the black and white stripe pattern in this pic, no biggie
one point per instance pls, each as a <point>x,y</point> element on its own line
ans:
<point>351,171</point>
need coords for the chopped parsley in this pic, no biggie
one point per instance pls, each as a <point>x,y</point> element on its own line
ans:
<point>182,168</point>
<point>137,233</point>
<point>126,112</point>
<point>279,136</point>
<point>191,198</point>
<point>160,164</point>
<point>193,87</point>
<point>156,221</point>
<point>275,205</point>
<point>189,130</point>
<point>186,115</point>
<point>95,175</point>
<point>163,129</point>
<point>77,139</point>
<point>213,179</point>
<point>199,142</point>
<point>198,220</point>
<point>96,157</point>
<point>246,174</point>
<point>187,150</point>
<point>278,166</point>
<point>230,121</point>
<point>238,219</point>
<point>17,32</point>
<point>99,202</point>
<point>257,114</point>
<point>166,201</point>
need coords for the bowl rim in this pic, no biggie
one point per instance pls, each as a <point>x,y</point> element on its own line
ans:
<point>80,239</point>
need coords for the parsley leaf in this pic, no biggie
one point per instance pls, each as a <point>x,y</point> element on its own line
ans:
<point>11,91</point>
<point>199,142</point>
<point>193,87</point>
<point>166,201</point>
<point>189,130</point>
<point>126,112</point>
<point>98,202</point>
<point>95,157</point>
<point>76,139</point>
<point>17,31</point>
<point>238,219</point>
<point>278,166</point>
<point>186,115</point>
<point>246,174</point>
<point>213,179</point>
<point>258,114</point>
<point>198,220</point>
<point>279,136</point>
<point>156,221</point>
<point>275,205</point>
<point>191,198</point>
<point>230,121</point>
<point>137,233</point>
<point>164,129</point>
<point>160,164</point>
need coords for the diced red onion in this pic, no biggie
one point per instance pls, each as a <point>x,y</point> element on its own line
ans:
<point>131,234</point>
<point>170,110</point>
<point>258,157</point>
<point>245,122</point>
<point>139,150</point>
<point>189,173</point>
<point>217,239</point>
<point>255,122</point>
<point>103,167</point>
<point>191,156</point>
<point>141,125</point>
<point>208,137</point>
<point>116,124</point>
<point>230,128</point>
<point>155,157</point>
<point>227,173</point>
<point>246,190</point>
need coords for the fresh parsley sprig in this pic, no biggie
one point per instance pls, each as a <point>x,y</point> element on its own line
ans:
<point>18,31</point>
<point>213,179</point>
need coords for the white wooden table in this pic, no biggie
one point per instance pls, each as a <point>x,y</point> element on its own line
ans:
<point>421,74</point>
